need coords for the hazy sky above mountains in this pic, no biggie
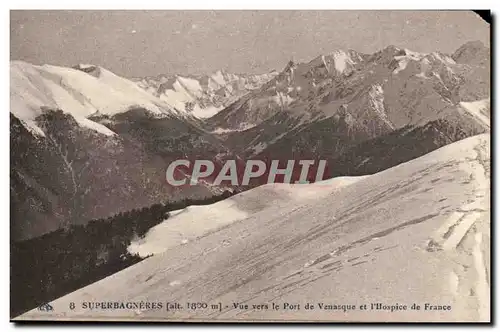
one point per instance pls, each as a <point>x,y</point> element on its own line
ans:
<point>143,43</point>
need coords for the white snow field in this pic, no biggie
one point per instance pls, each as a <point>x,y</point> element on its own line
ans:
<point>414,234</point>
<point>194,221</point>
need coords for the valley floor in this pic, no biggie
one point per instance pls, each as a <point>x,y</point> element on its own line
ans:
<point>416,233</point>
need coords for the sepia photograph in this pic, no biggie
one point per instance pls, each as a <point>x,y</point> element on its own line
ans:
<point>250,166</point>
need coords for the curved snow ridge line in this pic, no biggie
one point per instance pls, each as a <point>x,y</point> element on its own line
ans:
<point>71,96</point>
<point>192,222</point>
<point>57,82</point>
<point>32,127</point>
<point>186,225</point>
<point>84,122</point>
<point>75,92</point>
<point>107,94</point>
<point>68,95</point>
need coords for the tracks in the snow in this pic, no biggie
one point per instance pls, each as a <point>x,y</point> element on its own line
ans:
<point>460,238</point>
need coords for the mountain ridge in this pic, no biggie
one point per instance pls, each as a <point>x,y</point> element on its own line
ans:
<point>377,93</point>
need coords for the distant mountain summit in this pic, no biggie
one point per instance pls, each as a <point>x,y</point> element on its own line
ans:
<point>203,96</point>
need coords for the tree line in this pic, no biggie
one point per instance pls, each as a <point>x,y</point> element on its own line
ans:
<point>57,263</point>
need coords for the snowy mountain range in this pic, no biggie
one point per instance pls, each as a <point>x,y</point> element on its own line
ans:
<point>203,96</point>
<point>86,143</point>
<point>359,97</point>
<point>402,219</point>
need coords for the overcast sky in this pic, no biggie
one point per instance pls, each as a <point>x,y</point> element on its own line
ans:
<point>143,43</point>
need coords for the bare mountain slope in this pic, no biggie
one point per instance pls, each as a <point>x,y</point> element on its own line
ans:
<point>415,233</point>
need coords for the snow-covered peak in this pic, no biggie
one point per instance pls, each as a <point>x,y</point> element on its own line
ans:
<point>405,57</point>
<point>422,60</point>
<point>341,60</point>
<point>81,92</point>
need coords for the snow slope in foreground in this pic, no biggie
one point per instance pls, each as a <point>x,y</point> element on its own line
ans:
<point>416,233</point>
<point>193,222</point>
